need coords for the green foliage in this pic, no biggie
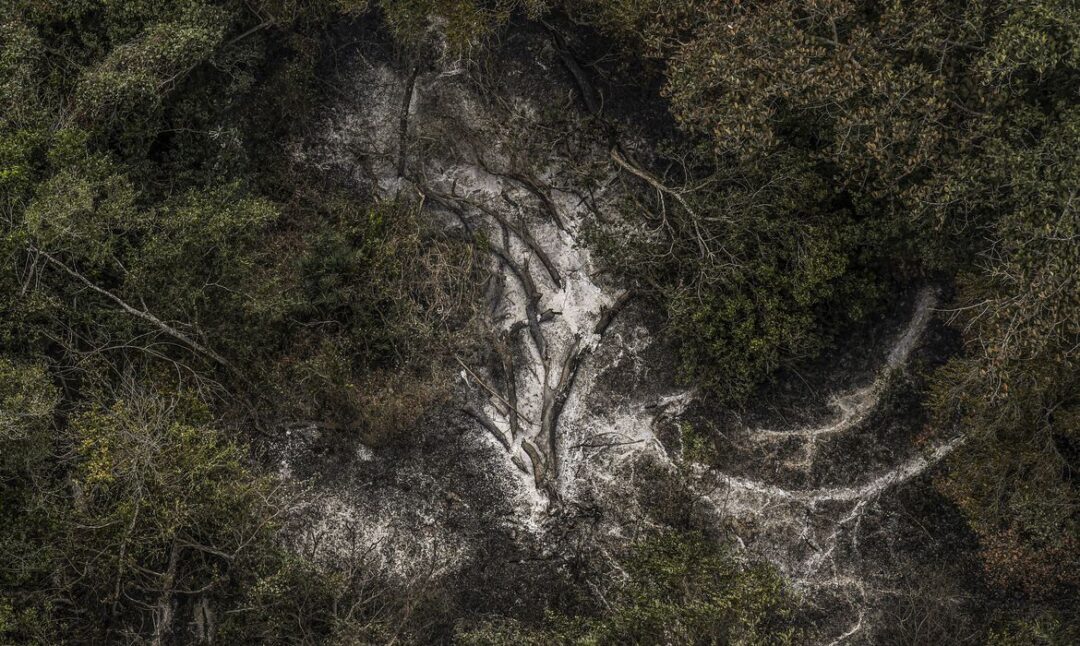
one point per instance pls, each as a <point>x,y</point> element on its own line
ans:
<point>697,447</point>
<point>393,301</point>
<point>154,231</point>
<point>1043,630</point>
<point>136,76</point>
<point>298,601</point>
<point>844,146</point>
<point>169,198</point>
<point>681,589</point>
<point>162,503</point>
<point>754,279</point>
<point>164,263</point>
<point>841,147</point>
<point>27,404</point>
<point>1014,393</point>
<point>165,516</point>
<point>464,24</point>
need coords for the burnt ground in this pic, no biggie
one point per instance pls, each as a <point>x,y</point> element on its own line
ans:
<point>827,476</point>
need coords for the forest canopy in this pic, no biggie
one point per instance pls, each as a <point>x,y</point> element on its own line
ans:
<point>175,285</point>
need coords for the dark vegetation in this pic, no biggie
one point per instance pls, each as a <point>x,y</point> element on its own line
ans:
<point>681,589</point>
<point>176,287</point>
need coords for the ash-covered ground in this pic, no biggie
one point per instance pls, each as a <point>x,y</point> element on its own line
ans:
<point>570,427</point>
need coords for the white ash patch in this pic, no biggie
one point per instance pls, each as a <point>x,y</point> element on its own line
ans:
<point>598,434</point>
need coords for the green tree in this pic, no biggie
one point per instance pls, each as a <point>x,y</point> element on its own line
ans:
<point>880,142</point>
<point>156,239</point>
<point>28,403</point>
<point>1014,392</point>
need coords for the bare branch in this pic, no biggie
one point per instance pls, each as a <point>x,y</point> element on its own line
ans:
<point>146,316</point>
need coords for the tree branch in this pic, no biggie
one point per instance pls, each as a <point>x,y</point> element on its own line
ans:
<point>144,315</point>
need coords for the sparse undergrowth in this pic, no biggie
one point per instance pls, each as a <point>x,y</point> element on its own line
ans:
<point>679,588</point>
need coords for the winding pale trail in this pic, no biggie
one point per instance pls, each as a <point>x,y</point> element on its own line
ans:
<point>542,421</point>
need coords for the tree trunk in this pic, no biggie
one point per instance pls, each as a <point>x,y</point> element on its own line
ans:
<point>163,612</point>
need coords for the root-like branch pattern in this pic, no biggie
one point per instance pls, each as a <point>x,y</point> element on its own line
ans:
<point>802,530</point>
<point>556,345</point>
<point>795,529</point>
<point>532,404</point>
<point>855,406</point>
